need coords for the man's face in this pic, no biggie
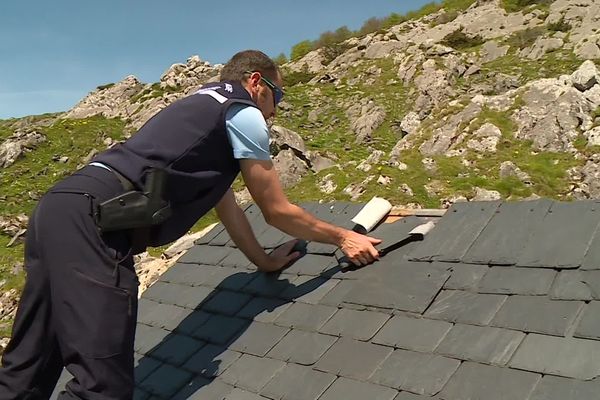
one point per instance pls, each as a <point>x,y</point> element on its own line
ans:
<point>267,91</point>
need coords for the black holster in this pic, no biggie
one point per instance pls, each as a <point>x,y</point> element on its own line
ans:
<point>135,209</point>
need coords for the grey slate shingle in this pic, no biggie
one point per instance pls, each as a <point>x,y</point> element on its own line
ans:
<point>577,285</point>
<point>237,259</point>
<point>504,237</point>
<point>239,394</point>
<point>353,359</point>
<point>201,388</point>
<point>220,329</point>
<point>405,286</point>
<point>465,307</point>
<point>144,366</point>
<point>202,254</point>
<point>187,274</point>
<point>482,344</point>
<point>258,338</point>
<point>211,360</point>
<point>562,238</point>
<point>176,349</point>
<point>165,381</point>
<point>359,325</point>
<point>160,315</point>
<point>349,389</point>
<point>509,280</point>
<point>556,388</point>
<point>147,337</point>
<point>308,317</point>
<point>476,381</point>
<point>589,326</point>
<point>226,302</point>
<point>229,278</point>
<point>567,357</point>
<point>311,264</point>
<point>211,234</point>
<point>295,382</point>
<point>415,372</point>
<point>465,276</point>
<point>252,373</point>
<point>308,289</point>
<point>269,285</point>
<point>264,309</point>
<point>335,297</point>
<point>192,322</point>
<point>412,333</point>
<point>179,295</point>
<point>446,242</point>
<point>302,347</point>
<point>537,314</point>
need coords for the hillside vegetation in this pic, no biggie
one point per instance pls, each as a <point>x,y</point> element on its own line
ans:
<point>460,100</point>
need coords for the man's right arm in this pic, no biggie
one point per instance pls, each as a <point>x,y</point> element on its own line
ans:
<point>262,181</point>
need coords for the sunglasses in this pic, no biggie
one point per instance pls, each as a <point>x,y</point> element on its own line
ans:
<point>276,90</point>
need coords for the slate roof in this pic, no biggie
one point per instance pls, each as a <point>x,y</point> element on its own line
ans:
<point>499,301</point>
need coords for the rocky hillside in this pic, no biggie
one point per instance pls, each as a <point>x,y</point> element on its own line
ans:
<point>466,103</point>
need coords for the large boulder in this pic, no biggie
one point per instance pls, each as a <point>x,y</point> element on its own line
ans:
<point>14,147</point>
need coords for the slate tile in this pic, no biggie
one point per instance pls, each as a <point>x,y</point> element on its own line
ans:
<point>176,349</point>
<point>308,289</point>
<point>576,285</point>
<point>192,322</point>
<point>64,377</point>
<point>210,235</point>
<point>187,274</point>
<point>211,360</point>
<point>144,366</point>
<point>207,255</point>
<point>251,373</point>
<point>505,236</point>
<point>201,388</point>
<point>589,326</point>
<point>264,309</point>
<point>405,286</point>
<point>482,344</point>
<point>567,357</point>
<point>273,237</point>
<point>447,243</point>
<point>308,317</point>
<point>226,302</point>
<point>412,333</point>
<point>509,280</point>
<point>396,232</point>
<point>229,278</point>
<point>165,316</point>
<point>359,325</point>
<point>240,394</point>
<point>311,264</point>
<point>258,338</point>
<point>166,381</point>
<point>563,237</point>
<point>269,285</point>
<point>295,382</point>
<point>302,347</point>
<point>335,297</point>
<point>591,261</point>
<point>349,389</point>
<point>477,381</point>
<point>138,394</point>
<point>537,314</point>
<point>237,259</point>
<point>220,329</point>
<point>465,276</point>
<point>352,359</point>
<point>221,239</point>
<point>465,307</point>
<point>556,388</point>
<point>412,396</point>
<point>148,337</point>
<point>415,372</point>
<point>179,295</point>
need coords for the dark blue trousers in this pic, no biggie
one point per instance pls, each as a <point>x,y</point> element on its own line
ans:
<point>79,304</point>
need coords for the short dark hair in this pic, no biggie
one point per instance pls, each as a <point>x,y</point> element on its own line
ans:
<point>248,60</point>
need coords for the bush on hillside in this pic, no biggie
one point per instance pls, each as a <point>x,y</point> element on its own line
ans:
<point>294,78</point>
<point>559,26</point>
<point>460,40</point>
<point>301,49</point>
<point>518,5</point>
<point>526,38</point>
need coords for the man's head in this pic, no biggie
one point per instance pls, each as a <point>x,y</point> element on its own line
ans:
<point>259,75</point>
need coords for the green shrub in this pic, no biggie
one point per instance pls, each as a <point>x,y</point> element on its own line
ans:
<point>559,26</point>
<point>301,49</point>
<point>526,38</point>
<point>107,86</point>
<point>280,59</point>
<point>460,40</point>
<point>293,78</point>
<point>518,5</point>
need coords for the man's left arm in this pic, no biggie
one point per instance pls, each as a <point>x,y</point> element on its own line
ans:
<point>238,227</point>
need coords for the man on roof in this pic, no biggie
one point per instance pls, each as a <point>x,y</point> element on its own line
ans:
<point>79,305</point>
